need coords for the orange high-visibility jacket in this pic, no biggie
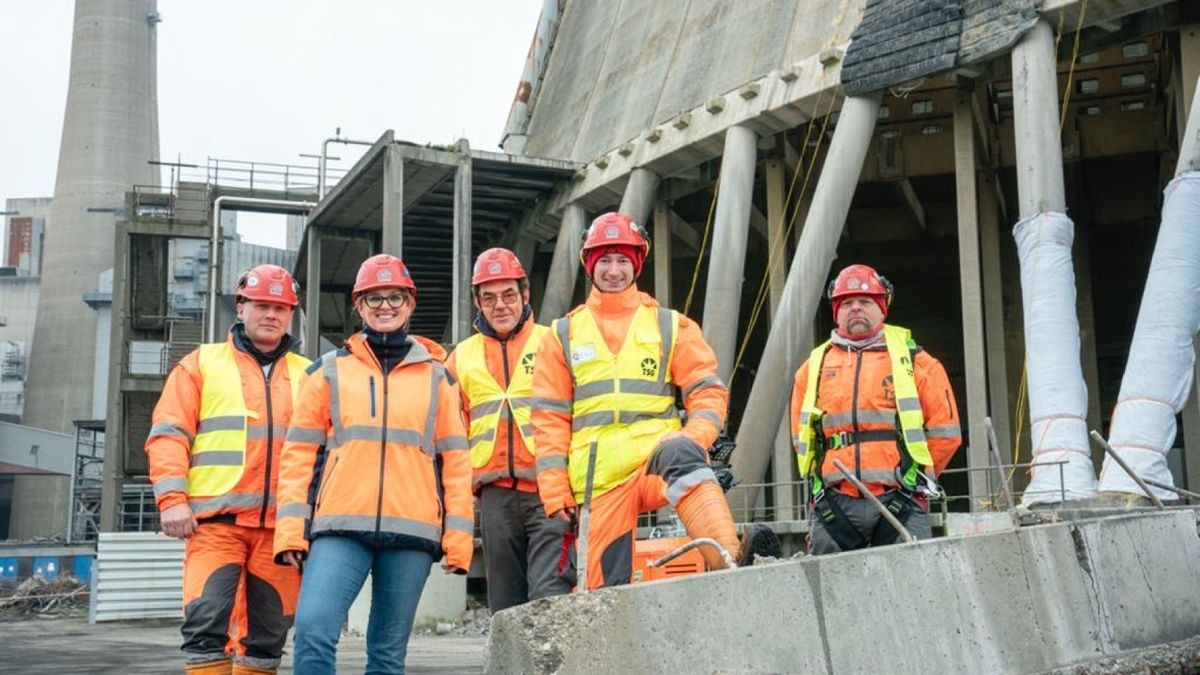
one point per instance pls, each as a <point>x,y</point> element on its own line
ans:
<point>693,370</point>
<point>342,474</point>
<point>856,395</point>
<point>512,463</point>
<point>177,421</point>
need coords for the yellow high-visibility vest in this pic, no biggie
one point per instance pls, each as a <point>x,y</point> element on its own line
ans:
<point>623,402</point>
<point>219,449</point>
<point>488,401</point>
<point>908,407</point>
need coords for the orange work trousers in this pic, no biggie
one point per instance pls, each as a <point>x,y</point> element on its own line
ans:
<point>224,566</point>
<point>613,525</point>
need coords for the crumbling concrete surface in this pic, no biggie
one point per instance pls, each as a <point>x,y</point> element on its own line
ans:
<point>1022,601</point>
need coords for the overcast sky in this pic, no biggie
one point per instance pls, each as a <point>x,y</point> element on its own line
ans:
<point>265,80</point>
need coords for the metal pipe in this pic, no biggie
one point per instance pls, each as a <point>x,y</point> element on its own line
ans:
<point>862,489</point>
<point>696,543</point>
<point>1177,490</point>
<point>994,448</point>
<point>325,153</point>
<point>214,255</point>
<point>1121,462</point>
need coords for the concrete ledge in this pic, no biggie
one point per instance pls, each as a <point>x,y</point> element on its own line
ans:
<point>1005,602</point>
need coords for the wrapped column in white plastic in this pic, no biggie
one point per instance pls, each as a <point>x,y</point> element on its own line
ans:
<point>1057,393</point>
<point>1159,373</point>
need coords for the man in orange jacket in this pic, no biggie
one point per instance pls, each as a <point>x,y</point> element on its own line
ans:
<point>873,399</point>
<point>526,553</point>
<point>607,431</point>
<point>214,456</point>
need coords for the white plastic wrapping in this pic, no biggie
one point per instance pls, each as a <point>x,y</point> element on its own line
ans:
<point>1057,393</point>
<point>1159,373</point>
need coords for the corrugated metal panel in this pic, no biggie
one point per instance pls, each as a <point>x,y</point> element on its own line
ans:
<point>139,575</point>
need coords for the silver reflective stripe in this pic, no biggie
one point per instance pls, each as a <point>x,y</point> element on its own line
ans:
<point>631,416</point>
<point>460,524</point>
<point>865,416</point>
<point>364,432</point>
<point>707,415</point>
<point>908,404</point>
<point>590,389</point>
<point>218,458</point>
<point>169,429</point>
<point>948,431</point>
<point>294,510</point>
<point>703,383</point>
<point>666,328</point>
<point>391,525</point>
<point>451,443</point>
<point>484,478</point>
<point>552,405</point>
<point>486,408</point>
<point>562,329</point>
<point>427,442</point>
<point>335,400</point>
<point>804,418</point>
<point>232,500</point>
<point>525,474</point>
<point>168,485</point>
<point>520,401</point>
<point>914,436</point>
<point>632,386</point>
<point>679,488</point>
<point>489,435</point>
<point>526,430</point>
<point>222,423</point>
<point>801,447</point>
<point>256,432</point>
<point>551,462</point>
<point>592,420</point>
<point>882,476</point>
<point>304,435</point>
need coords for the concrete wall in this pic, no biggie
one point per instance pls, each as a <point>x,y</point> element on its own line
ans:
<point>39,506</point>
<point>1006,602</point>
<point>18,307</point>
<point>444,598</point>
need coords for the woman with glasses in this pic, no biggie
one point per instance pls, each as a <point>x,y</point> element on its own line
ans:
<point>375,477</point>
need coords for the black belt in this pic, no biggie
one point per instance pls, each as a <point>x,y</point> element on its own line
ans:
<point>844,438</point>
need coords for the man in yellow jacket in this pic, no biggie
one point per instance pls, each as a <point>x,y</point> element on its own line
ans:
<point>214,450</point>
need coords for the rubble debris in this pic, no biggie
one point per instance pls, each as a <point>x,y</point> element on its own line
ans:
<point>37,595</point>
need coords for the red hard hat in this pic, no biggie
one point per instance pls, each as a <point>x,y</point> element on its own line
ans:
<point>382,271</point>
<point>497,264</point>
<point>615,229</point>
<point>268,283</point>
<point>860,280</point>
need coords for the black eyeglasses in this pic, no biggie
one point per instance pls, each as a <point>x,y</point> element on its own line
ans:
<point>393,300</point>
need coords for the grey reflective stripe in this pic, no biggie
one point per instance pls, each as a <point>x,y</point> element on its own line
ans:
<point>222,423</point>
<point>882,476</point>
<point>460,524</point>
<point>551,462</point>
<point>707,415</point>
<point>865,416</point>
<point>592,420</point>
<point>305,435</point>
<point>801,447</point>
<point>168,485</point>
<point>631,416</point>
<point>294,510</point>
<point>527,430</point>
<point>388,524</point>
<point>590,389</point>
<point>603,417</point>
<point>364,432</point>
<point>525,474</point>
<point>451,443</point>
<point>427,442</point>
<point>519,401</point>
<point>486,408</point>
<point>908,404</point>
<point>632,386</point>
<point>218,458</point>
<point>492,476</point>
<point>169,429</point>
<point>704,383</point>
<point>947,431</point>
<point>489,435</point>
<point>552,405</point>
<point>335,402</point>
<point>679,488</point>
<point>666,328</point>
<point>259,432</point>
<point>562,329</point>
<point>232,500</point>
<point>804,418</point>
<point>914,435</point>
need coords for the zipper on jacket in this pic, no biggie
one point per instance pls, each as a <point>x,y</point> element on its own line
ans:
<point>512,474</point>
<point>382,455</point>
<point>854,417</point>
<point>262,516</point>
<point>371,380</point>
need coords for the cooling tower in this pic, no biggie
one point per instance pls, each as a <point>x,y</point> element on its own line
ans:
<point>110,132</point>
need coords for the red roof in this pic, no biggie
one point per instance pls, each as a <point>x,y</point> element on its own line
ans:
<point>5,467</point>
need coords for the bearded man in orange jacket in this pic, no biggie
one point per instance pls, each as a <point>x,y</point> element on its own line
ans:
<point>873,399</point>
<point>605,423</point>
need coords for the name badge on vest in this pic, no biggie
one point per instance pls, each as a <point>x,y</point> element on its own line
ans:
<point>582,353</point>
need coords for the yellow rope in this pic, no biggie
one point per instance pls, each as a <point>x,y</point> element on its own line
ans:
<point>712,207</point>
<point>1071,70</point>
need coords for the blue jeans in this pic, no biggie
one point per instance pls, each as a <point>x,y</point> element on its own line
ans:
<point>333,575</point>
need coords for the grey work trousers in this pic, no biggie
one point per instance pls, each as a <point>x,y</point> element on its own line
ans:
<point>868,521</point>
<point>523,549</point>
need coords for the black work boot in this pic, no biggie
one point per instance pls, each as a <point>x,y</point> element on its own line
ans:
<point>758,540</point>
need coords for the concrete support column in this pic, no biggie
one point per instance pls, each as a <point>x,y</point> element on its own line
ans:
<point>460,309</point>
<point>564,267</point>
<point>991,267</point>
<point>792,326</point>
<point>972,295</point>
<point>777,245</point>
<point>312,294</point>
<point>662,253</point>
<point>1189,68</point>
<point>639,195</point>
<point>113,476</point>
<point>723,292</point>
<point>391,240</point>
<point>1040,185</point>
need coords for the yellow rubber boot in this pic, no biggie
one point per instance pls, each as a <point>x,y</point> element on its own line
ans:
<point>243,669</point>
<point>705,513</point>
<point>218,667</point>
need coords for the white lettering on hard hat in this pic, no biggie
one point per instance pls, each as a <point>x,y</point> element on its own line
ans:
<point>612,233</point>
<point>494,268</point>
<point>252,280</point>
<point>275,289</point>
<point>383,275</point>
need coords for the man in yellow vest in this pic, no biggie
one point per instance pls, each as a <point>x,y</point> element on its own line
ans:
<point>871,398</point>
<point>214,460</point>
<point>607,430</point>
<point>524,551</point>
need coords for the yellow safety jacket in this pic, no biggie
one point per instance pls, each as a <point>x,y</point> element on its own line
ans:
<point>624,403</point>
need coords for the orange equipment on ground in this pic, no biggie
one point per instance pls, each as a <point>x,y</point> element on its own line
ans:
<point>646,551</point>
